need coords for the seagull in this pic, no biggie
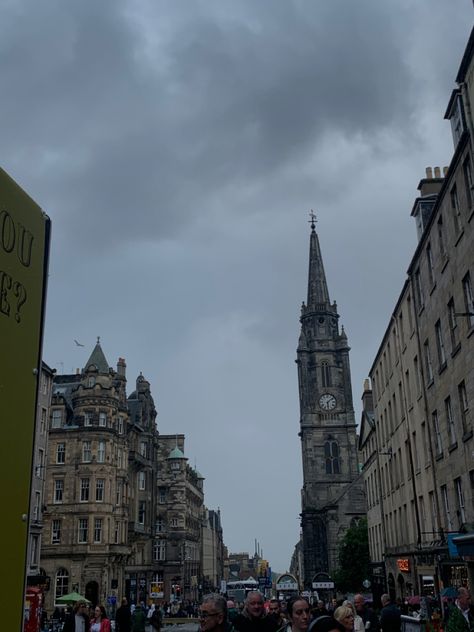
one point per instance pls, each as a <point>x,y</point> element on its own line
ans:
<point>78,343</point>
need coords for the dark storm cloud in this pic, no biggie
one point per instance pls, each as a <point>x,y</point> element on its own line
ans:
<point>134,140</point>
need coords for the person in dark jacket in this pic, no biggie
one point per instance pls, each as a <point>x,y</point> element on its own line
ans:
<point>138,619</point>
<point>213,615</point>
<point>123,617</point>
<point>78,620</point>
<point>368,616</point>
<point>390,615</point>
<point>253,618</point>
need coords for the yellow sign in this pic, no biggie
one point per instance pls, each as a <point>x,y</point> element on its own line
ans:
<point>24,246</point>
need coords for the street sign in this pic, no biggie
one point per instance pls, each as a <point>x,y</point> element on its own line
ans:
<point>111,600</point>
<point>24,249</point>
<point>319,585</point>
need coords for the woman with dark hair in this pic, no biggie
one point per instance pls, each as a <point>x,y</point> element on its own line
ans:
<point>298,612</point>
<point>100,622</point>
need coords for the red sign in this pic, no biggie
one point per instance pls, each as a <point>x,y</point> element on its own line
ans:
<point>404,565</point>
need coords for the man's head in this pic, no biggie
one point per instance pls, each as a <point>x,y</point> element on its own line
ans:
<point>359,602</point>
<point>464,598</point>
<point>385,599</point>
<point>274,607</point>
<point>230,604</point>
<point>254,604</point>
<point>81,607</point>
<point>213,613</point>
<point>320,604</point>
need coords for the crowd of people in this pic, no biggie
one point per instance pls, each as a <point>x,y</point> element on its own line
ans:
<point>218,614</point>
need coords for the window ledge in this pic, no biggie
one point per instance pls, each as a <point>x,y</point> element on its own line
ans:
<point>459,237</point>
<point>445,263</point>
<point>471,215</point>
<point>439,456</point>
<point>471,331</point>
<point>420,309</point>
<point>452,447</point>
<point>442,368</point>
<point>433,288</point>
<point>430,383</point>
<point>466,436</point>
<point>456,350</point>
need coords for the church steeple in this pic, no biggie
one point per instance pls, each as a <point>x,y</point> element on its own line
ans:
<point>318,295</point>
<point>98,359</point>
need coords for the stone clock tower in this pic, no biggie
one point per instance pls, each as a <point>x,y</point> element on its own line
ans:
<point>332,494</point>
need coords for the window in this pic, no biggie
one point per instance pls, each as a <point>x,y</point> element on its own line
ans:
<point>141,480</point>
<point>56,532</point>
<point>331,456</point>
<point>118,495</point>
<point>428,364</point>
<point>429,261</point>
<point>83,530</point>
<point>464,406</point>
<point>101,452</point>
<point>62,583</point>
<point>117,533</point>
<point>97,530</point>
<point>416,456</point>
<point>61,453</point>
<point>441,240</point>
<point>103,419</point>
<point>468,299</point>
<point>453,325</point>
<point>450,420</point>
<point>99,490</point>
<point>43,421</point>
<point>440,345</point>
<point>86,452</point>
<point>87,419</point>
<point>58,490</point>
<point>119,458</point>
<point>466,167</point>
<point>437,433</point>
<point>120,425</point>
<point>162,494</point>
<point>418,292</point>
<point>91,381</point>
<point>40,466</point>
<point>455,210</point>
<point>432,513</point>
<point>141,512</point>
<point>84,497</point>
<point>174,522</point>
<point>417,376</point>
<point>160,525</point>
<point>325,374</point>
<point>57,419</point>
<point>144,449</point>
<point>36,507</point>
<point>460,502</point>
<point>447,514</point>
<point>159,550</point>
<point>174,465</point>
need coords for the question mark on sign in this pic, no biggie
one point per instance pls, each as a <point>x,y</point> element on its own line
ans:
<point>20,292</point>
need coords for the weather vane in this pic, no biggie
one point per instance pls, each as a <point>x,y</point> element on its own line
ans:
<point>313,220</point>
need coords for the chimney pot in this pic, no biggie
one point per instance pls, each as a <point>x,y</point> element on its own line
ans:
<point>445,171</point>
<point>366,384</point>
<point>429,173</point>
<point>437,172</point>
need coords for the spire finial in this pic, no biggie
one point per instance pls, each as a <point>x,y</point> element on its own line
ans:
<point>98,340</point>
<point>313,220</point>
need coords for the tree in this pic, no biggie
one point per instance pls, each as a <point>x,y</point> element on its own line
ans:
<point>353,558</point>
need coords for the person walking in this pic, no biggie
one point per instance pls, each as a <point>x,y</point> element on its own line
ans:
<point>78,620</point>
<point>460,617</point>
<point>253,618</point>
<point>368,616</point>
<point>100,622</point>
<point>299,614</point>
<point>138,619</point>
<point>123,617</point>
<point>390,615</point>
<point>345,616</point>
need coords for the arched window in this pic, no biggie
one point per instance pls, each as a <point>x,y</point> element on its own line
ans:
<point>325,374</point>
<point>331,455</point>
<point>62,583</point>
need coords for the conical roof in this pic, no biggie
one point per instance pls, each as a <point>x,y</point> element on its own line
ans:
<point>318,294</point>
<point>176,453</point>
<point>98,359</point>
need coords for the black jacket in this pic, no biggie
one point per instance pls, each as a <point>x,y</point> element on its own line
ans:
<point>70,623</point>
<point>390,618</point>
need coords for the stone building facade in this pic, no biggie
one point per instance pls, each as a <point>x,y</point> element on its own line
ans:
<point>418,463</point>
<point>212,551</point>
<point>332,494</point>
<point>123,510</point>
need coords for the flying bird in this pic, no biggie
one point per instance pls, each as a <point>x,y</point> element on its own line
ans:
<point>78,343</point>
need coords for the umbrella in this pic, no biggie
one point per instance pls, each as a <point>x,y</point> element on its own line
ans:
<point>71,598</point>
<point>450,592</point>
<point>414,600</point>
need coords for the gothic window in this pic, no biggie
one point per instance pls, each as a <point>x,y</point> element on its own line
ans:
<point>331,456</point>
<point>325,374</point>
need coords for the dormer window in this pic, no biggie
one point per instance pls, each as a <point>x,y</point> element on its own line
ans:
<point>455,115</point>
<point>174,465</point>
<point>91,381</point>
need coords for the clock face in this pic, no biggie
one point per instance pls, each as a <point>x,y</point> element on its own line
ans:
<point>327,401</point>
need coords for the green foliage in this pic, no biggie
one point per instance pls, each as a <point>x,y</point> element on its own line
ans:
<point>353,558</point>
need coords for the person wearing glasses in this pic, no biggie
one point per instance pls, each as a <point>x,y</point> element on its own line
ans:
<point>253,617</point>
<point>213,614</point>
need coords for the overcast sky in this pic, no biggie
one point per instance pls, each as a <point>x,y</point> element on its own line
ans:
<point>178,147</point>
